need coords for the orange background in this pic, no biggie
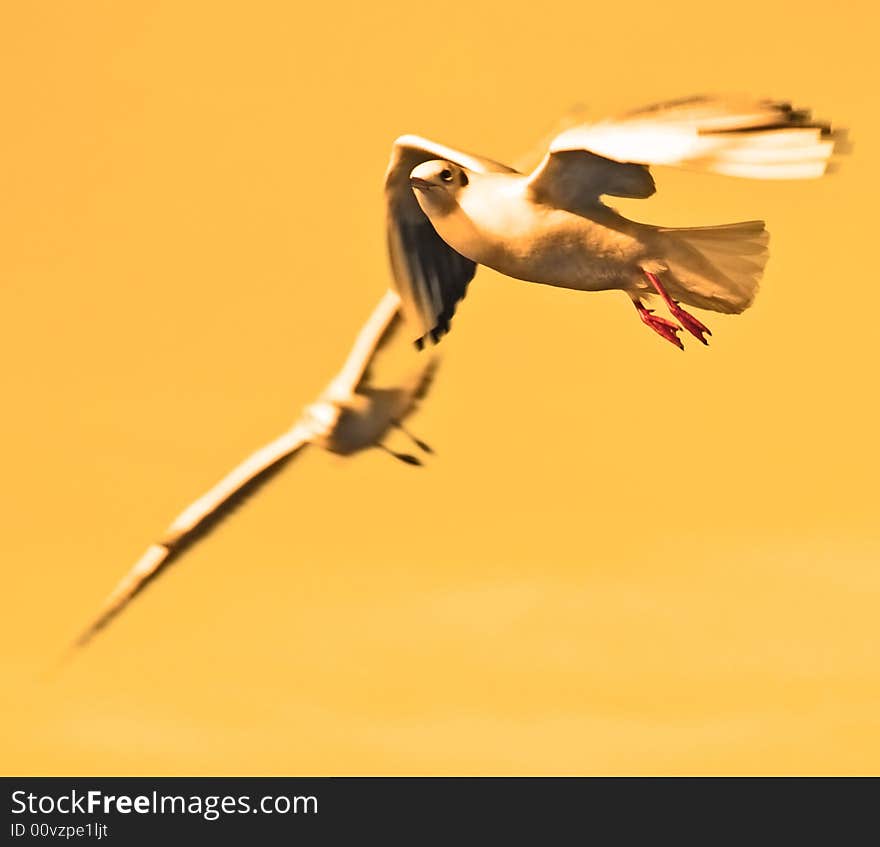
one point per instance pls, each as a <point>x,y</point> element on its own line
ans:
<point>624,559</point>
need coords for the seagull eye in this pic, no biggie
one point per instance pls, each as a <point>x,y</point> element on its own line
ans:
<point>446,175</point>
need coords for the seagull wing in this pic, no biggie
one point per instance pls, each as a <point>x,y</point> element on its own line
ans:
<point>198,519</point>
<point>575,179</point>
<point>428,274</point>
<point>201,516</point>
<point>374,335</point>
<point>759,139</point>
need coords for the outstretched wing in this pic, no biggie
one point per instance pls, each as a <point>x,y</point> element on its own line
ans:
<point>743,137</point>
<point>197,520</point>
<point>428,274</point>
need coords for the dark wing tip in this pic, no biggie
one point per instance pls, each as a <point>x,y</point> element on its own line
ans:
<point>438,276</point>
<point>785,116</point>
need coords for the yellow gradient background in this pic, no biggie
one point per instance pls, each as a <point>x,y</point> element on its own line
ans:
<point>624,559</point>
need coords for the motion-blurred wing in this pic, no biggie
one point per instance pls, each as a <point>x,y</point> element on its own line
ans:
<point>198,519</point>
<point>375,334</point>
<point>428,274</point>
<point>759,139</point>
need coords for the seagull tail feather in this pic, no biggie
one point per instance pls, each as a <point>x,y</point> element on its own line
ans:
<point>715,267</point>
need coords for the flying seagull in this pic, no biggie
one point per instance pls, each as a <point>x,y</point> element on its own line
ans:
<point>450,211</point>
<point>352,414</point>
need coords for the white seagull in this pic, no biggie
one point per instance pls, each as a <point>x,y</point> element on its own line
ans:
<point>449,211</point>
<point>352,414</point>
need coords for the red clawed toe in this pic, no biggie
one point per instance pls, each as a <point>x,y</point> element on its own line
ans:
<point>686,319</point>
<point>689,322</point>
<point>661,326</point>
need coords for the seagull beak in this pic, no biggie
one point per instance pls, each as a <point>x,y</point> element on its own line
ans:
<point>420,184</point>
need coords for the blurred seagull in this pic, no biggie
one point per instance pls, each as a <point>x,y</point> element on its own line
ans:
<point>352,414</point>
<point>449,211</point>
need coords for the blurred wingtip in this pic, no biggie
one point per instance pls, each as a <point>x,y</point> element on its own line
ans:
<point>843,143</point>
<point>87,635</point>
<point>53,670</point>
<point>152,562</point>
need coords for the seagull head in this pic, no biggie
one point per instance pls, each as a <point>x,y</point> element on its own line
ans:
<point>436,185</point>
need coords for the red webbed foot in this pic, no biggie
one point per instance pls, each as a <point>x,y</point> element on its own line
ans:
<point>661,326</point>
